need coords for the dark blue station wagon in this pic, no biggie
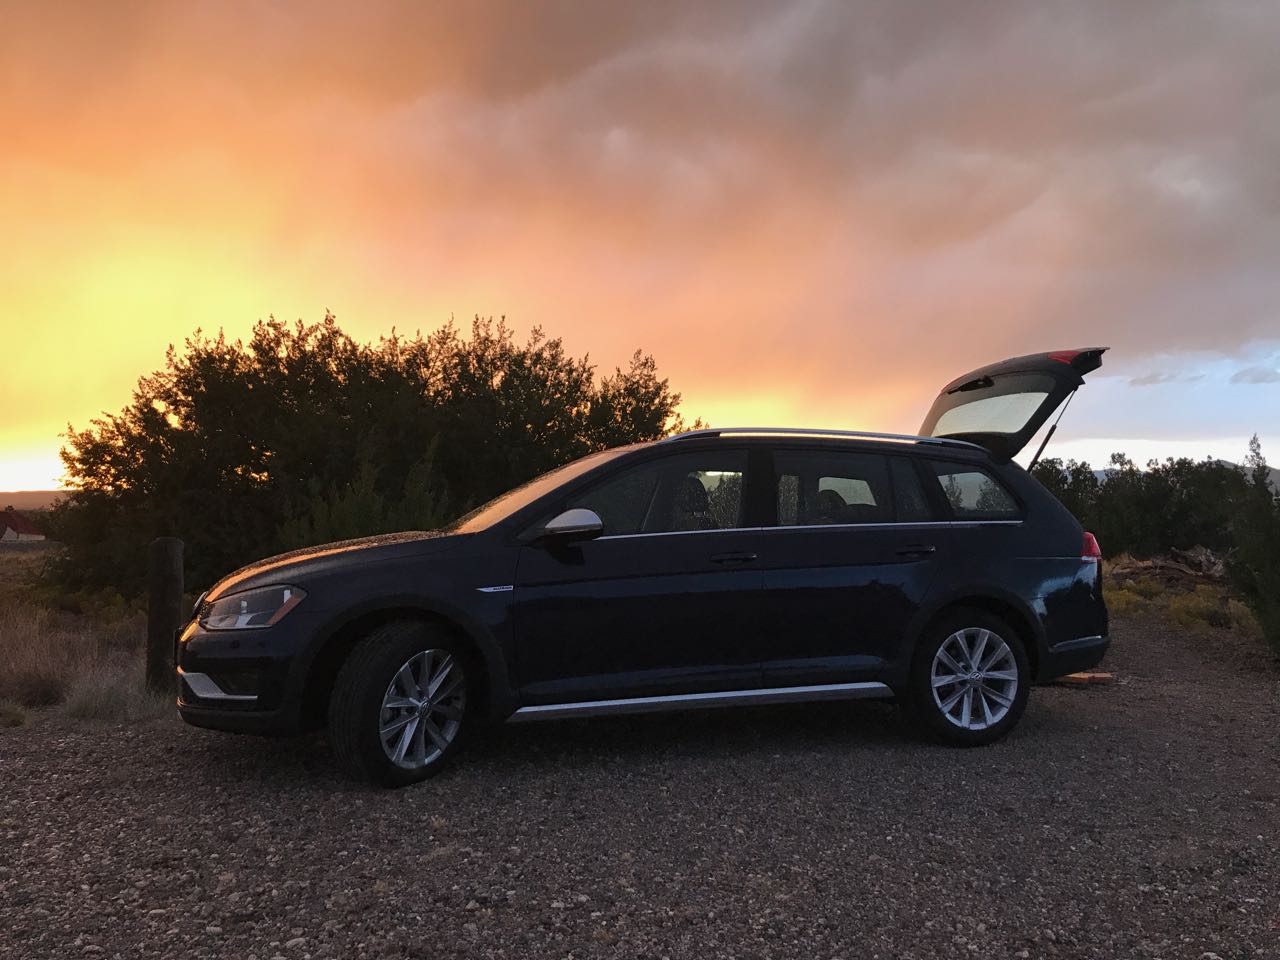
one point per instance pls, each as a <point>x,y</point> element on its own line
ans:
<point>712,568</point>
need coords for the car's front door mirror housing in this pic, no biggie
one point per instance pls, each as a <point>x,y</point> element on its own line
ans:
<point>578,523</point>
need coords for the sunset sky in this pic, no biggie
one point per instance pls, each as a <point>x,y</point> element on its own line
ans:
<point>811,213</point>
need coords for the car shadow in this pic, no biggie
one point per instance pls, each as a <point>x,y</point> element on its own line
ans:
<point>740,731</point>
<point>550,745</point>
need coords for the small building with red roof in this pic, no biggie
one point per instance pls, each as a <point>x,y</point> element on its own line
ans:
<point>14,526</point>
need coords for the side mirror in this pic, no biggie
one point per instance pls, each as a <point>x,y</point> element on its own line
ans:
<point>576,524</point>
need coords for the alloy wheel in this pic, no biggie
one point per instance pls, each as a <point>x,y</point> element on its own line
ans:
<point>422,709</point>
<point>974,678</point>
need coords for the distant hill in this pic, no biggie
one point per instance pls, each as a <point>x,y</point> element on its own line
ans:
<point>31,499</point>
<point>1275,474</point>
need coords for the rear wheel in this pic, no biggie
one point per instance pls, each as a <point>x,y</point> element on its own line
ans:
<point>401,706</point>
<point>969,680</point>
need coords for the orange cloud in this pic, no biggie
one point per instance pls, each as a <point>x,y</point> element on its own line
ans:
<point>813,213</point>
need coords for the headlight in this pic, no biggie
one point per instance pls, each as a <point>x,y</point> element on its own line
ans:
<point>251,609</point>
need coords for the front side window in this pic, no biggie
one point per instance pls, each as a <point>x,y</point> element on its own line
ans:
<point>513,501</point>
<point>973,493</point>
<point>686,492</point>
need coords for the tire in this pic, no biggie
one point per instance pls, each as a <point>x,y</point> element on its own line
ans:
<point>997,698</point>
<point>382,728</point>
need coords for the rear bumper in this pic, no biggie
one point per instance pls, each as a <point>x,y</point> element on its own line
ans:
<point>1072,656</point>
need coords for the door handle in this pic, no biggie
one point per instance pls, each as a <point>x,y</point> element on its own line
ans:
<point>917,550</point>
<point>733,557</point>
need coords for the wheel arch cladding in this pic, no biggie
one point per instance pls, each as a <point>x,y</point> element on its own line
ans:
<point>1018,619</point>
<point>333,651</point>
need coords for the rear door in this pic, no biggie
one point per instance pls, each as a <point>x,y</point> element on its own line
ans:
<point>848,562</point>
<point>1001,406</point>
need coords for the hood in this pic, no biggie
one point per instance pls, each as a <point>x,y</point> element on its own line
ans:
<point>298,565</point>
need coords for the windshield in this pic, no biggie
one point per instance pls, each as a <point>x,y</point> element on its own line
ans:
<point>511,502</point>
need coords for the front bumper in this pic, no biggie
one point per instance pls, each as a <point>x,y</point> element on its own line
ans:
<point>243,682</point>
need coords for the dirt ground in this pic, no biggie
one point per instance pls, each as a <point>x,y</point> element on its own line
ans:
<point>1136,820</point>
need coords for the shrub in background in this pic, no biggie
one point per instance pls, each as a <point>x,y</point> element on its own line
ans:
<point>1177,504</point>
<point>1254,564</point>
<point>248,448</point>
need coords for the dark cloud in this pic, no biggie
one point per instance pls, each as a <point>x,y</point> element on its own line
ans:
<point>1256,375</point>
<point>1151,379</point>
<point>837,203</point>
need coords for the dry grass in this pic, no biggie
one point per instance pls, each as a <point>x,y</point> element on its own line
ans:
<point>11,714</point>
<point>38,659</point>
<point>50,655</point>
<point>48,658</point>
<point>1123,602</point>
<point>1206,607</point>
<point>115,689</point>
<point>1148,588</point>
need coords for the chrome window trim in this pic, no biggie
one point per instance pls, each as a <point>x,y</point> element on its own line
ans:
<point>689,701</point>
<point>911,524</point>
<point>679,533</point>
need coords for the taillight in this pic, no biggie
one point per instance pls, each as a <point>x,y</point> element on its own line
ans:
<point>1090,551</point>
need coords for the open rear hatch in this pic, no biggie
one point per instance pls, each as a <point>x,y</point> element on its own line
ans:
<point>1001,406</point>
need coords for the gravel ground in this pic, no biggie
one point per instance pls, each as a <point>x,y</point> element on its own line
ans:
<point>1134,820</point>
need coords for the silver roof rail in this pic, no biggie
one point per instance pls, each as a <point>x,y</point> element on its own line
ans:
<point>804,432</point>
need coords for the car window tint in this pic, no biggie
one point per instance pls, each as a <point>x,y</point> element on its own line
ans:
<point>697,491</point>
<point>973,493</point>
<point>908,494</point>
<point>817,487</point>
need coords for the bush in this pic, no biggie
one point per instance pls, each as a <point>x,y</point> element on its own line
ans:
<point>244,449</point>
<point>1174,505</point>
<point>1148,588</point>
<point>1254,564</point>
<point>1204,607</point>
<point>1122,602</point>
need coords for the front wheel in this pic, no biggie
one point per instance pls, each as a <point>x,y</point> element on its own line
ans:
<point>400,706</point>
<point>969,680</point>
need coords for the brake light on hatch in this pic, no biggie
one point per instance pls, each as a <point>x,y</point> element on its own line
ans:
<point>1090,552</point>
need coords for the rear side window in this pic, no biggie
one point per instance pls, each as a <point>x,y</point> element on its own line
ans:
<point>817,488</point>
<point>973,493</point>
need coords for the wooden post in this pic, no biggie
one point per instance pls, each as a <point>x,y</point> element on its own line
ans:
<point>164,609</point>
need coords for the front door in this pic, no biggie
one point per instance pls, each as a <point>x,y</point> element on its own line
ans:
<point>854,551</point>
<point>665,601</point>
